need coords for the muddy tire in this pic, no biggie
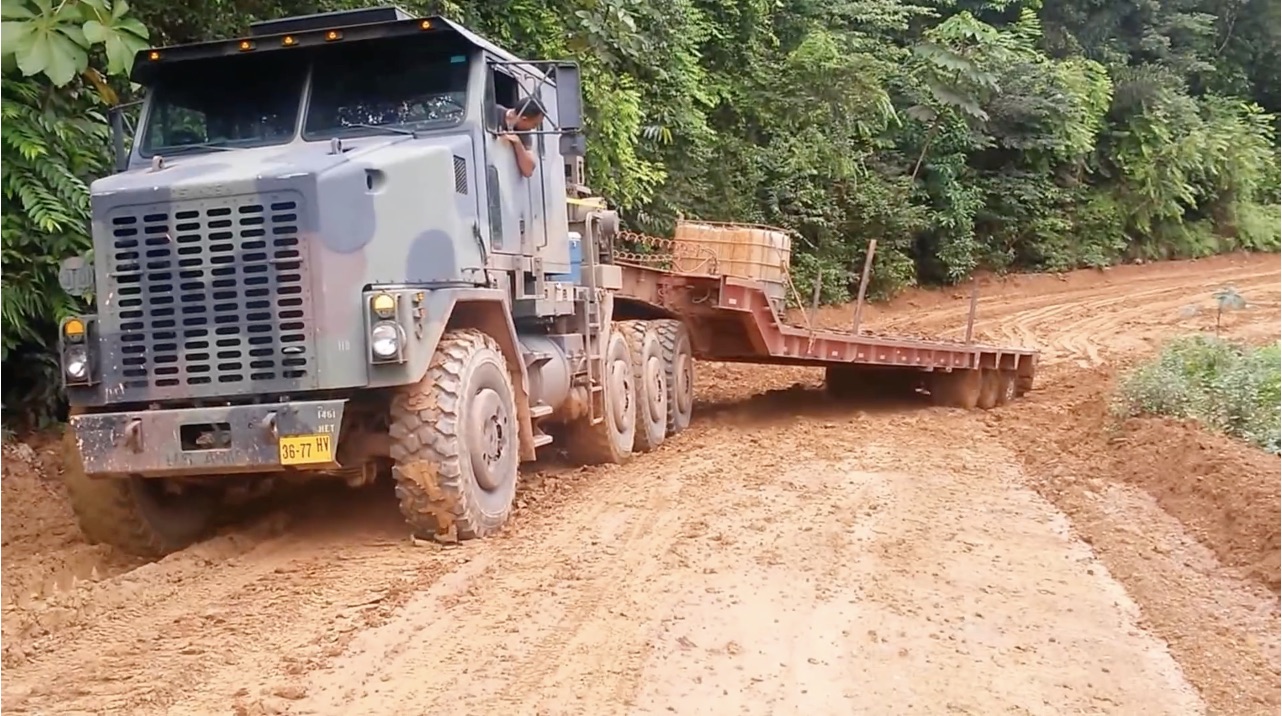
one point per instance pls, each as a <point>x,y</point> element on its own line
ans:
<point>609,441</point>
<point>134,514</point>
<point>455,441</point>
<point>956,389</point>
<point>678,358</point>
<point>990,389</point>
<point>651,381</point>
<point>1007,387</point>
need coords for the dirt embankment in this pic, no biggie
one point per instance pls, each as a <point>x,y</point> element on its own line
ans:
<point>787,553</point>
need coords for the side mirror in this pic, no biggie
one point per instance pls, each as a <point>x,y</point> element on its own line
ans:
<point>569,109</point>
<point>117,116</point>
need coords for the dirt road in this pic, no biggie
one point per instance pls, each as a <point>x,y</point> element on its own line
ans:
<point>785,555</point>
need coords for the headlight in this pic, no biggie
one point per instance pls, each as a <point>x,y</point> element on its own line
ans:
<point>76,362</point>
<point>385,340</point>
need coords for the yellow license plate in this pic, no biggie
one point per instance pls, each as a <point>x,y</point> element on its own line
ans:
<point>306,449</point>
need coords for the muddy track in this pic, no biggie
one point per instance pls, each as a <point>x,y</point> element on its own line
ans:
<point>785,554</point>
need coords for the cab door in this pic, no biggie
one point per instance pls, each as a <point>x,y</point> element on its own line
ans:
<point>510,209</point>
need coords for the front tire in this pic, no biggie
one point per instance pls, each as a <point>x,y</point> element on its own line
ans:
<point>455,440</point>
<point>134,514</point>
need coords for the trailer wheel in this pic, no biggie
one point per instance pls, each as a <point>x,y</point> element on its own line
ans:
<point>678,358</point>
<point>956,389</point>
<point>990,390</point>
<point>134,514</point>
<point>1008,388</point>
<point>650,378</point>
<point>454,440</point>
<point>609,441</point>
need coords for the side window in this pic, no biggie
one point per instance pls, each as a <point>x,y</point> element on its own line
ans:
<point>502,92</point>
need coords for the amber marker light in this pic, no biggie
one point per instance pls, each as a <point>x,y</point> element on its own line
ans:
<point>246,45</point>
<point>383,304</point>
<point>153,55</point>
<point>425,25</point>
<point>74,329</point>
<point>289,41</point>
<point>333,35</point>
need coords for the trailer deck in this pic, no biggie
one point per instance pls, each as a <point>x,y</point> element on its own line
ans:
<point>734,319</point>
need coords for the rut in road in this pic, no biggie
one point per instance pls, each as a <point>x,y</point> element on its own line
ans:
<point>784,554</point>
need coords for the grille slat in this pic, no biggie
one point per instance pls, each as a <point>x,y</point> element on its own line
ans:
<point>211,297</point>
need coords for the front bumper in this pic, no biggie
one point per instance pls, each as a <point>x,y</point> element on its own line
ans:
<point>210,441</point>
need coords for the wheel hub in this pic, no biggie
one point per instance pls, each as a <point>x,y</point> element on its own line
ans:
<point>654,379</point>
<point>684,380</point>
<point>620,401</point>
<point>488,434</point>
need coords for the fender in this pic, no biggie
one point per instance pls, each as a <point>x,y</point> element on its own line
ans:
<point>426,314</point>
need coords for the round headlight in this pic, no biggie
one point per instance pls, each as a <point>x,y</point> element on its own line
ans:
<point>385,340</point>
<point>76,363</point>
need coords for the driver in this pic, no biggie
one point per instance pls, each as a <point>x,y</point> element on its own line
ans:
<point>527,116</point>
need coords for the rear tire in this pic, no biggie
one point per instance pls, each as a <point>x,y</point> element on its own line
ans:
<point>1007,387</point>
<point>678,358</point>
<point>135,514</point>
<point>609,441</point>
<point>455,440</point>
<point>990,390</point>
<point>956,389</point>
<point>649,375</point>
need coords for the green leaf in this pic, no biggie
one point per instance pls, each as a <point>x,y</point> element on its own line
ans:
<point>75,34</point>
<point>35,55</point>
<point>66,59</point>
<point>120,54</point>
<point>15,9</point>
<point>12,33</point>
<point>119,9</point>
<point>95,32</point>
<point>133,27</point>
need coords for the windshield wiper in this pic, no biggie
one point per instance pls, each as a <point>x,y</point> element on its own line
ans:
<point>383,128</point>
<point>217,144</point>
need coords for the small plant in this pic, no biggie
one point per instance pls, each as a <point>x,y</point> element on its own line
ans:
<point>1226,299</point>
<point>1228,387</point>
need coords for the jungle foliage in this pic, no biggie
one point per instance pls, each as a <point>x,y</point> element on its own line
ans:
<point>962,134</point>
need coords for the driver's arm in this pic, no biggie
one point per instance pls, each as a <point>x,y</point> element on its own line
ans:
<point>524,157</point>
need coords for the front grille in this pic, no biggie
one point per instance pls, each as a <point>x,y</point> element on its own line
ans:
<point>211,298</point>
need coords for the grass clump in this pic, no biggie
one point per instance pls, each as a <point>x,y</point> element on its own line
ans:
<point>1228,387</point>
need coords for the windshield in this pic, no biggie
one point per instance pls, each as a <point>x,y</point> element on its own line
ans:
<point>403,83</point>
<point>239,101</point>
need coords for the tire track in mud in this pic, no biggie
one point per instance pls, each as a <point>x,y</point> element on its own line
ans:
<point>146,639</point>
<point>544,598</point>
<point>1074,327</point>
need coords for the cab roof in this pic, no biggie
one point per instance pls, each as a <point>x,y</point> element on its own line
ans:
<point>291,33</point>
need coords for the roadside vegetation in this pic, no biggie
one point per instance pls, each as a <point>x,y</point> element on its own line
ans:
<point>1228,387</point>
<point>961,134</point>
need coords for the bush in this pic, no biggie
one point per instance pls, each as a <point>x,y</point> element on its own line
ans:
<point>1227,387</point>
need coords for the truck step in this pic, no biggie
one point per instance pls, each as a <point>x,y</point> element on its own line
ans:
<point>540,410</point>
<point>541,439</point>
